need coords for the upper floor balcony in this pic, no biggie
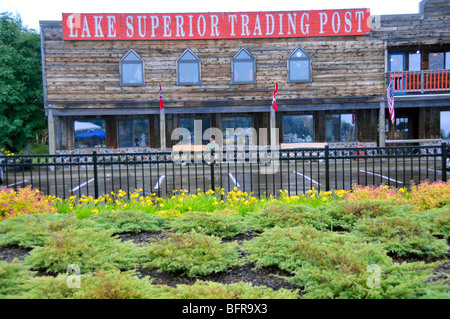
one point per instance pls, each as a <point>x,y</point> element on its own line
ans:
<point>420,70</point>
<point>420,82</point>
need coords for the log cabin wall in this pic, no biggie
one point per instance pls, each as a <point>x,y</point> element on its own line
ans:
<point>82,79</point>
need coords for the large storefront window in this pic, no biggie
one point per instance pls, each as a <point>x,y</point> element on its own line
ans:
<point>242,130</point>
<point>298,129</point>
<point>90,133</point>
<point>445,125</point>
<point>340,128</point>
<point>133,133</point>
<point>189,123</point>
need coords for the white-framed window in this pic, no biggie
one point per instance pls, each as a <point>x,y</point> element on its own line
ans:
<point>188,69</point>
<point>132,70</point>
<point>299,67</point>
<point>243,68</point>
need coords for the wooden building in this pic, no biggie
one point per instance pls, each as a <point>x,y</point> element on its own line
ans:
<point>103,73</point>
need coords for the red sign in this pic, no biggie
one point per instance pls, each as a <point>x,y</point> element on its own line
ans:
<point>242,25</point>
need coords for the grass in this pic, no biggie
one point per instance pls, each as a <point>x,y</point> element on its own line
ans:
<point>364,243</point>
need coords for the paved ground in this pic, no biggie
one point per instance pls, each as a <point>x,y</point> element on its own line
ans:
<point>297,177</point>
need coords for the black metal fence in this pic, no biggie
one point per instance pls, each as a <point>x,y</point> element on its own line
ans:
<point>261,172</point>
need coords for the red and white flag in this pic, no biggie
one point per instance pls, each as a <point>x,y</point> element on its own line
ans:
<point>160,98</point>
<point>274,100</point>
<point>390,98</point>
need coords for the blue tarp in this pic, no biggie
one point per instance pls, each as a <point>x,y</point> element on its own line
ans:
<point>90,134</point>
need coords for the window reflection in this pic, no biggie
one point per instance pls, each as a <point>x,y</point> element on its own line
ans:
<point>340,128</point>
<point>133,133</point>
<point>90,133</point>
<point>298,129</point>
<point>242,133</point>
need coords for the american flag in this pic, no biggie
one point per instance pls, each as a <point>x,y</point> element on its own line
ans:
<point>390,98</point>
<point>160,98</point>
<point>274,100</point>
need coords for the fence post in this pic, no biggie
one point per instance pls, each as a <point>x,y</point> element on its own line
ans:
<point>444,162</point>
<point>213,186</point>
<point>327,168</point>
<point>94,160</point>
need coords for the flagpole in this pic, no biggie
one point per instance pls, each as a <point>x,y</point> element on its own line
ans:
<point>162,122</point>
<point>382,122</point>
<point>162,129</point>
<point>273,135</point>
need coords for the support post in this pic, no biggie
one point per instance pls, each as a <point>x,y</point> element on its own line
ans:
<point>382,123</point>
<point>273,135</point>
<point>162,129</point>
<point>51,132</point>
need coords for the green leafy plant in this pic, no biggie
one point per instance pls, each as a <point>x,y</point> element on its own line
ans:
<point>217,224</point>
<point>288,216</point>
<point>192,254</point>
<point>89,248</point>
<point>346,213</point>
<point>212,290</point>
<point>12,277</point>
<point>401,236</point>
<point>129,221</point>
<point>29,231</point>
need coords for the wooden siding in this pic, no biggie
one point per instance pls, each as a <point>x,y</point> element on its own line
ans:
<point>88,71</point>
<point>431,26</point>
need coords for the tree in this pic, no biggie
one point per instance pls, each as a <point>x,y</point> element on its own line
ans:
<point>22,115</point>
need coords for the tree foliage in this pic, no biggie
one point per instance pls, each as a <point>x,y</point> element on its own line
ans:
<point>21,112</point>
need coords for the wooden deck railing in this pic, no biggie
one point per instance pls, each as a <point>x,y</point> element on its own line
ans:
<point>425,81</point>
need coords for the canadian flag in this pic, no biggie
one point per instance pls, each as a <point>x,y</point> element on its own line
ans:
<point>160,98</point>
<point>274,100</point>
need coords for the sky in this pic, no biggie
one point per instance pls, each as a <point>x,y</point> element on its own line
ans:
<point>31,11</point>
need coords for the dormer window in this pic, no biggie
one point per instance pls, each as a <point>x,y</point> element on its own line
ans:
<point>299,66</point>
<point>243,68</point>
<point>188,69</point>
<point>131,70</point>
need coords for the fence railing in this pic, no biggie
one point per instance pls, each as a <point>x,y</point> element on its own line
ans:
<point>421,81</point>
<point>262,172</point>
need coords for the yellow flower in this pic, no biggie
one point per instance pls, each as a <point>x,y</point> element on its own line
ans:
<point>94,211</point>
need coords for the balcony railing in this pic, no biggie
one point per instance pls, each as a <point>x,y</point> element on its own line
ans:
<point>425,81</point>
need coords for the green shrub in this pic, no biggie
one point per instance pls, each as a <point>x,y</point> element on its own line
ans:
<point>401,236</point>
<point>411,281</point>
<point>129,221</point>
<point>437,221</point>
<point>288,216</point>
<point>293,248</point>
<point>331,261</point>
<point>346,213</point>
<point>12,277</point>
<point>217,224</point>
<point>212,290</point>
<point>192,254</point>
<point>33,230</point>
<point>102,284</point>
<point>89,248</point>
